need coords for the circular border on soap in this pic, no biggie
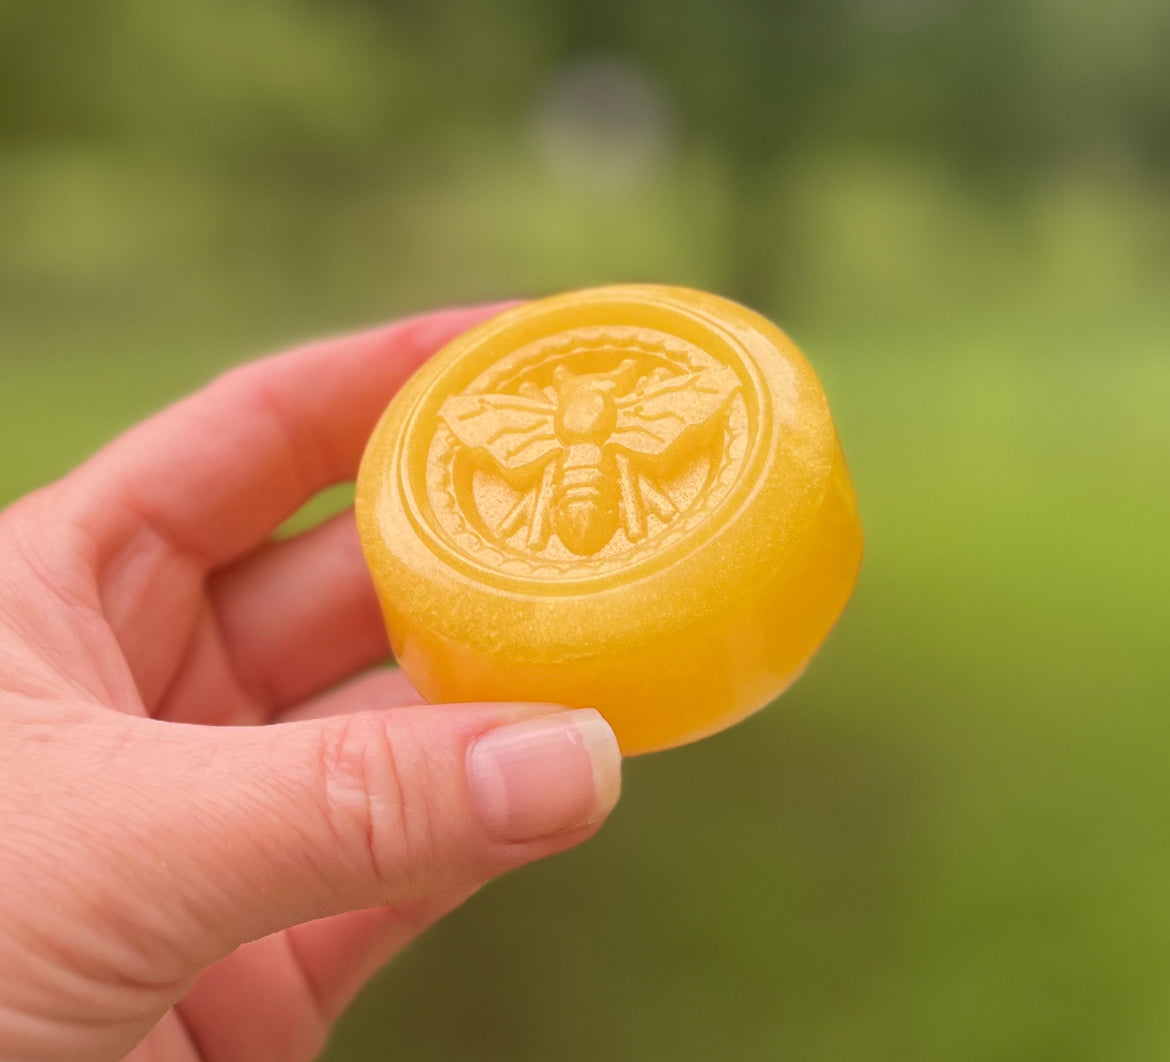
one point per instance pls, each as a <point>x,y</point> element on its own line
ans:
<point>692,326</point>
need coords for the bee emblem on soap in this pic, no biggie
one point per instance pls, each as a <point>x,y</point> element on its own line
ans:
<point>586,455</point>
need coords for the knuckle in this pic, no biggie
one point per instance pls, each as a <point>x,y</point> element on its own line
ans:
<point>308,453</point>
<point>377,798</point>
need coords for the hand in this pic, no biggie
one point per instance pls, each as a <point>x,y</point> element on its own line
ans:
<point>180,772</point>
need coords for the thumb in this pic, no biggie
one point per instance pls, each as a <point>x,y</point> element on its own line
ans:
<point>272,826</point>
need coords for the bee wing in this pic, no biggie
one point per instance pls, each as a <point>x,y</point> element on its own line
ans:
<point>651,420</point>
<point>516,430</point>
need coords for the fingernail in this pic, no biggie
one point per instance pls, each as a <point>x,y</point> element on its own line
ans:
<point>545,775</point>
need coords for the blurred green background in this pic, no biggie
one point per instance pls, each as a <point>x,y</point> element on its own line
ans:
<point>952,839</point>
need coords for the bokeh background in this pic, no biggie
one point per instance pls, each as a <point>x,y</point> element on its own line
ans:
<point>952,839</point>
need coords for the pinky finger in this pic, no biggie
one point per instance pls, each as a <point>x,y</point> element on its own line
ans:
<point>276,997</point>
<point>338,955</point>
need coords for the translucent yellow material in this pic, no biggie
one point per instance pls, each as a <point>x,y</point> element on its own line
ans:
<point>630,498</point>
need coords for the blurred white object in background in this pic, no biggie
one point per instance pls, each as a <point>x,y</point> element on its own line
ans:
<point>604,124</point>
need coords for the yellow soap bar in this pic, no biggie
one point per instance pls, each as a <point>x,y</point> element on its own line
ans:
<point>630,498</point>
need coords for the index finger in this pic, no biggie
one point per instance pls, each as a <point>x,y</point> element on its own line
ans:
<point>218,472</point>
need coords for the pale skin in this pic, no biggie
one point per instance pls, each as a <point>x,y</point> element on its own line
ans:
<point>217,817</point>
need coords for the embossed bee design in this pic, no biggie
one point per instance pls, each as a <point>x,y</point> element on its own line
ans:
<point>585,453</point>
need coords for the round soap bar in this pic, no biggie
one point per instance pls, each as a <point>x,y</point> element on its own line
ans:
<point>630,498</point>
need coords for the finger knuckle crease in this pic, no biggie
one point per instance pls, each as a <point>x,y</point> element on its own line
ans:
<point>308,453</point>
<point>368,804</point>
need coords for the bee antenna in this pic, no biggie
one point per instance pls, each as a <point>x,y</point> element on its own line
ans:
<point>627,374</point>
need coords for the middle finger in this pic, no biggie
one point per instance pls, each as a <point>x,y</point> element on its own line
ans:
<point>288,621</point>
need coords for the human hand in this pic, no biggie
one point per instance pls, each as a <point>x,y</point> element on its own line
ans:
<point>206,844</point>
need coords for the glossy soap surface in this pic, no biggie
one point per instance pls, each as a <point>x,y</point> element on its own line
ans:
<point>629,498</point>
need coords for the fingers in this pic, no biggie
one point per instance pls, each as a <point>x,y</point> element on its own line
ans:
<point>251,830</point>
<point>276,997</point>
<point>383,687</point>
<point>292,619</point>
<point>215,474</point>
<point>255,1006</point>
<point>338,955</point>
